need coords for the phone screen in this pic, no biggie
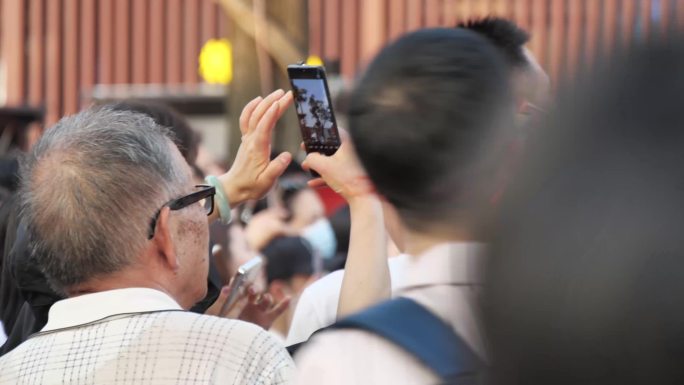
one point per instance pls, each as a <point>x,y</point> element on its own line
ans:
<point>314,110</point>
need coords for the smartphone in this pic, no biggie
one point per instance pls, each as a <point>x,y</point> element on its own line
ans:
<point>247,273</point>
<point>314,108</point>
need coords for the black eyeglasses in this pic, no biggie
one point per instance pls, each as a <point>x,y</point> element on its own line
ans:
<point>203,194</point>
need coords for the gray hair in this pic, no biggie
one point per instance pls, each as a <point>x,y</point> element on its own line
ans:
<point>89,189</point>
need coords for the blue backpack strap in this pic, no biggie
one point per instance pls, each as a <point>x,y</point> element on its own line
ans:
<point>415,329</point>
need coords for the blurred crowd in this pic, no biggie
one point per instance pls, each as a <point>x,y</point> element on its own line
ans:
<point>491,233</point>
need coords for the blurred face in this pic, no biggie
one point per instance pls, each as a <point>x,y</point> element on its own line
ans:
<point>306,208</point>
<point>538,86</point>
<point>532,88</point>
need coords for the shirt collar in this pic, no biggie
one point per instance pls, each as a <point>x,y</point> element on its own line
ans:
<point>446,264</point>
<point>87,308</point>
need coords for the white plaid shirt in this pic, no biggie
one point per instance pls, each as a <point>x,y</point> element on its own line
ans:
<point>141,336</point>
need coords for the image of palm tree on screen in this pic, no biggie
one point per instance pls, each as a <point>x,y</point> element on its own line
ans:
<point>314,112</point>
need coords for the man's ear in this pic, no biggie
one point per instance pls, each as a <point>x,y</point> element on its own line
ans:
<point>163,241</point>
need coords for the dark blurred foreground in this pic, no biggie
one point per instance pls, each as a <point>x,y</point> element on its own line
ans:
<point>587,258</point>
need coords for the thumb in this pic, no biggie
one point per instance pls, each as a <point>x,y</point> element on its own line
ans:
<point>314,161</point>
<point>281,306</point>
<point>215,308</point>
<point>277,166</point>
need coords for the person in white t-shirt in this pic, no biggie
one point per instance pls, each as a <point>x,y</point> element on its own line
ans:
<point>317,306</point>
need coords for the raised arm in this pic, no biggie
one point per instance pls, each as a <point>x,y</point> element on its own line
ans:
<point>253,173</point>
<point>366,278</point>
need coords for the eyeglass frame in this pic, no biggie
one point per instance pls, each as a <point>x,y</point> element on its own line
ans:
<point>207,192</point>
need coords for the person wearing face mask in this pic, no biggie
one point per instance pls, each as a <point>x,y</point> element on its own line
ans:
<point>307,218</point>
<point>321,236</point>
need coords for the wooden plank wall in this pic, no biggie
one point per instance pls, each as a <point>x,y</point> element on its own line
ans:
<point>566,34</point>
<point>54,51</point>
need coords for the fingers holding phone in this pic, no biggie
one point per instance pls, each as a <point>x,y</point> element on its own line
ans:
<point>342,171</point>
<point>221,308</point>
<point>262,310</point>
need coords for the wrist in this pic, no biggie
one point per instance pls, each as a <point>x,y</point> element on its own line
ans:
<point>361,190</point>
<point>234,195</point>
<point>220,199</point>
<point>364,201</point>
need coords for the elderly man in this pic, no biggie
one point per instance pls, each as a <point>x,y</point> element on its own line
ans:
<point>116,225</point>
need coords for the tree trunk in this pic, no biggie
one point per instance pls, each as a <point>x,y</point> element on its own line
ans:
<point>292,18</point>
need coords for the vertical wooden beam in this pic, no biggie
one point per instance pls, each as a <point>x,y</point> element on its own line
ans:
<point>539,44</point>
<point>396,24</point>
<point>190,41</point>
<point>70,86</point>
<point>665,14</point>
<point>350,39</point>
<point>610,25</point>
<point>628,21</point>
<point>157,41</point>
<point>13,27</point>
<point>174,42</point>
<point>645,7</point>
<point>414,15</point>
<point>331,28</point>
<point>593,13</point>
<point>521,14</point>
<point>316,27</point>
<point>222,24</point>
<point>106,42</point>
<point>140,41</point>
<point>36,52</point>
<point>574,36</point>
<point>464,10</point>
<point>292,16</point>
<point>557,39</point>
<point>483,8</point>
<point>87,49</point>
<point>679,10</point>
<point>208,20</point>
<point>122,46</point>
<point>53,87</point>
<point>372,29</point>
<point>502,8</point>
<point>432,13</point>
<point>450,13</point>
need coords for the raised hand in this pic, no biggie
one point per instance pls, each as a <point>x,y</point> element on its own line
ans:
<point>253,173</point>
<point>342,171</point>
